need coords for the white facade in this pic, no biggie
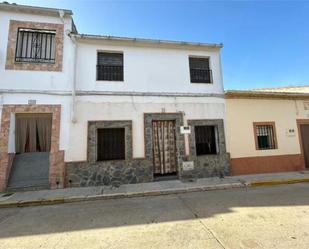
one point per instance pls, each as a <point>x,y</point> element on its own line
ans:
<point>156,80</point>
<point>35,80</point>
<point>147,68</point>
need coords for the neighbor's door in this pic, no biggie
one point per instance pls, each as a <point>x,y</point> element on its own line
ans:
<point>304,129</point>
<point>164,147</point>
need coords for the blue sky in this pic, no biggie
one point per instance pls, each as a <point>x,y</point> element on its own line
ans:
<point>266,43</point>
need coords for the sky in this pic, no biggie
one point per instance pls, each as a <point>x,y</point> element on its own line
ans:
<point>266,43</point>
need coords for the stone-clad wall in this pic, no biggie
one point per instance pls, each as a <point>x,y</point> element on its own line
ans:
<point>80,174</point>
<point>117,172</point>
<point>208,165</point>
<point>114,172</point>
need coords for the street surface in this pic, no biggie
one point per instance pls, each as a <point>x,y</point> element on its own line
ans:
<point>262,217</point>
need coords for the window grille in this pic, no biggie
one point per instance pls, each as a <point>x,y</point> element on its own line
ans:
<point>37,46</point>
<point>265,137</point>
<point>110,66</point>
<point>111,144</point>
<point>206,140</point>
<point>199,70</point>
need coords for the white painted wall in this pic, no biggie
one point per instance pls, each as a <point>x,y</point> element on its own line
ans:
<point>133,108</point>
<point>38,80</point>
<point>147,69</point>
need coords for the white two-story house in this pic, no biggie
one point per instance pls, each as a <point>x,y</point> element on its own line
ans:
<point>85,110</point>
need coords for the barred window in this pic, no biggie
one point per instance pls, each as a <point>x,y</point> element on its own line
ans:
<point>111,144</point>
<point>37,46</point>
<point>110,66</point>
<point>206,140</point>
<point>199,70</point>
<point>265,137</point>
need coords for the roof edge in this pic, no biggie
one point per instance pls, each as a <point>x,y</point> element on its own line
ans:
<point>241,94</point>
<point>146,41</point>
<point>32,9</point>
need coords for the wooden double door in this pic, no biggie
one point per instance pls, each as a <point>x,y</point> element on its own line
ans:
<point>164,147</point>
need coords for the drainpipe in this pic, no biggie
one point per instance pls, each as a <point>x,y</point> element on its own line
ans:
<point>73,117</point>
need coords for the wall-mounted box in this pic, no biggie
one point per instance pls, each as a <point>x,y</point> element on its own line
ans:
<point>189,165</point>
<point>185,129</point>
<point>290,132</point>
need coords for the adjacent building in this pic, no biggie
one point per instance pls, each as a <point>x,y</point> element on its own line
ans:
<point>85,110</point>
<point>268,130</point>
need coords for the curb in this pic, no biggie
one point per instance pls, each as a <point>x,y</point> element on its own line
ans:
<point>278,182</point>
<point>72,199</point>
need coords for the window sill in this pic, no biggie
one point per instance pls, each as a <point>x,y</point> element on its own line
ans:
<point>34,62</point>
<point>110,81</point>
<point>209,83</point>
<point>208,155</point>
<point>111,160</point>
<point>266,149</point>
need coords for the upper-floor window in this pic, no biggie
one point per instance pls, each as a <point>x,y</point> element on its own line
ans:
<point>265,136</point>
<point>206,140</point>
<point>110,66</point>
<point>36,46</point>
<point>199,70</point>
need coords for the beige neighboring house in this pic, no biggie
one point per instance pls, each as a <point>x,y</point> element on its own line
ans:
<point>268,129</point>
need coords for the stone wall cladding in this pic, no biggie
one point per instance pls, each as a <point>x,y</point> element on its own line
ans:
<point>115,173</point>
<point>180,140</point>
<point>11,47</point>
<point>56,167</point>
<point>209,165</point>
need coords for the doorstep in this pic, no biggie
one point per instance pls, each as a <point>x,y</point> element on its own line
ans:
<point>69,195</point>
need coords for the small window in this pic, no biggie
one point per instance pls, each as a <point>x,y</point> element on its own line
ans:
<point>199,70</point>
<point>206,140</point>
<point>265,136</point>
<point>110,66</point>
<point>111,144</point>
<point>36,46</point>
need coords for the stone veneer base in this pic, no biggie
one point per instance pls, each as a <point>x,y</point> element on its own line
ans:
<point>115,173</point>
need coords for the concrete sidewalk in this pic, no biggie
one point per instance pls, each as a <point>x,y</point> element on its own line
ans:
<point>48,197</point>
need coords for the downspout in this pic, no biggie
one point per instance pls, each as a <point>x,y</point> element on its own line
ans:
<point>73,93</point>
<point>73,117</point>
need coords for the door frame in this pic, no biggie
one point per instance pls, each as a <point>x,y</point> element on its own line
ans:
<point>56,156</point>
<point>180,140</point>
<point>299,123</point>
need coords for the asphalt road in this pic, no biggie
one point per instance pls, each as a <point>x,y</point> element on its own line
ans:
<point>262,217</point>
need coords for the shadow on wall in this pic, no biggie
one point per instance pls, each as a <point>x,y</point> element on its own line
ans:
<point>147,210</point>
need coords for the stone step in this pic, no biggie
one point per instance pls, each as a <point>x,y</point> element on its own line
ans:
<point>29,171</point>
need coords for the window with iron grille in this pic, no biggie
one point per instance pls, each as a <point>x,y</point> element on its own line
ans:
<point>37,46</point>
<point>265,137</point>
<point>111,144</point>
<point>199,70</point>
<point>110,66</point>
<point>206,140</point>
